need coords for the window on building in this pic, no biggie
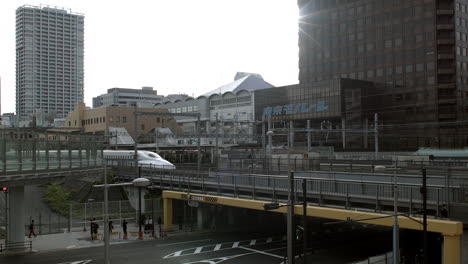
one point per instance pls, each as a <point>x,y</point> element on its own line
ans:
<point>117,119</point>
<point>142,127</point>
<point>158,120</point>
<point>124,119</point>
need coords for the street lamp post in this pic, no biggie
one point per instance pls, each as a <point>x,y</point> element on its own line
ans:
<point>290,216</point>
<point>106,216</point>
<point>138,182</point>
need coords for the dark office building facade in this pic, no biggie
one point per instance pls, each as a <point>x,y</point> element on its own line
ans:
<point>339,111</point>
<point>415,51</point>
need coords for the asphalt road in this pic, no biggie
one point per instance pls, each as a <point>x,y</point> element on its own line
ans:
<point>226,248</point>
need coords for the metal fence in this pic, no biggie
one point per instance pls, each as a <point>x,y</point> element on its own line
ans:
<point>324,191</point>
<point>80,214</point>
<point>281,164</point>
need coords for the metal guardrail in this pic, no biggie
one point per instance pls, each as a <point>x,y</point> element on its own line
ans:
<point>15,246</point>
<point>321,191</point>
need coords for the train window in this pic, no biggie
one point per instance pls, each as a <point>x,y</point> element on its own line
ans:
<point>151,155</point>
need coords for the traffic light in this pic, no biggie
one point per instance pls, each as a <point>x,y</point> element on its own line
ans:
<point>4,189</point>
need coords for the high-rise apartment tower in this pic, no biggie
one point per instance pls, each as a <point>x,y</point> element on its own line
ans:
<point>49,61</point>
<point>415,49</point>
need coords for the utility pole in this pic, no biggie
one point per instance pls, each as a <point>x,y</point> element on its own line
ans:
<point>343,132</point>
<point>308,136</point>
<point>156,139</point>
<point>376,134</point>
<point>198,145</point>
<point>217,146</point>
<point>135,128</point>
<point>304,212</point>
<point>290,227</point>
<point>291,134</point>
<point>106,217</point>
<point>263,141</point>
<point>270,144</point>
<point>6,216</point>
<point>424,196</point>
<point>396,228</point>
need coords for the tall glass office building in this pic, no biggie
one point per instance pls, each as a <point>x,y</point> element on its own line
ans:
<point>49,61</point>
<point>415,49</point>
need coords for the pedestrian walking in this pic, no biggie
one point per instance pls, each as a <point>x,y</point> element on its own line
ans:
<point>91,228</point>
<point>124,227</point>
<point>96,228</point>
<point>159,225</point>
<point>111,226</point>
<point>31,229</point>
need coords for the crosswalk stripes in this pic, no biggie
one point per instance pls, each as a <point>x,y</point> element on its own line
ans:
<point>223,246</point>
<point>217,247</point>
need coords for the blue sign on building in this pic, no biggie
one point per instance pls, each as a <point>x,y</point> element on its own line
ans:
<point>291,109</point>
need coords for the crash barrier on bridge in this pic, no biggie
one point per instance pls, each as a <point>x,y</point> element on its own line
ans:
<point>15,246</point>
<point>386,258</point>
<point>281,163</point>
<point>358,191</point>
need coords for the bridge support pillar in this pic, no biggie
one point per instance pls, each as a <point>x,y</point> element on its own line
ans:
<point>452,249</point>
<point>16,227</point>
<point>202,215</point>
<point>167,210</point>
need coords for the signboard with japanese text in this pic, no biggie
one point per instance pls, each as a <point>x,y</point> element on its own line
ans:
<point>291,109</point>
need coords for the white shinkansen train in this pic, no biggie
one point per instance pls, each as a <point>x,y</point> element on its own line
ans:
<point>145,158</point>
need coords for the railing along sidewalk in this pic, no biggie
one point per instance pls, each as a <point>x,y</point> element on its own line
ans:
<point>15,246</point>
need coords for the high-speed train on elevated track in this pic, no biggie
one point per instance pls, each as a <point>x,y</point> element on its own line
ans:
<point>146,159</point>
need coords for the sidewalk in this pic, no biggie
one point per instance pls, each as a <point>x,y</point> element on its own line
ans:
<point>81,239</point>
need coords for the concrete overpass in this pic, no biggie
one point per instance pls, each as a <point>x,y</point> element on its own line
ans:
<point>450,230</point>
<point>30,157</point>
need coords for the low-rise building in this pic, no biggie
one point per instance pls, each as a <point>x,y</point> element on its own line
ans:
<point>100,119</point>
<point>128,97</point>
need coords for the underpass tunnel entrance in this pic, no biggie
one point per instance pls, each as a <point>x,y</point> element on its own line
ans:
<point>445,234</point>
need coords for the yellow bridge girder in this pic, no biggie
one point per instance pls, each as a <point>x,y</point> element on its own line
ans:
<point>451,230</point>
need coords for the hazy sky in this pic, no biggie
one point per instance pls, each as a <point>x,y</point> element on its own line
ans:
<point>183,46</point>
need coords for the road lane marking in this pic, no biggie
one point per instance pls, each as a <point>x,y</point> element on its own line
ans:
<point>72,246</point>
<point>263,252</point>
<point>179,243</point>
<point>77,262</point>
<point>218,247</point>
<point>221,259</point>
